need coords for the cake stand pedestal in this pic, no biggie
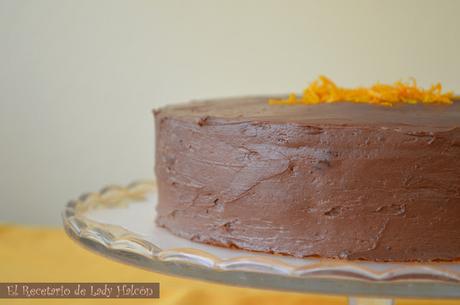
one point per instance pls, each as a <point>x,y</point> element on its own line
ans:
<point>117,222</point>
<point>369,301</point>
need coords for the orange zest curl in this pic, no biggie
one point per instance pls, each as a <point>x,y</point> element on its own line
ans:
<point>323,90</point>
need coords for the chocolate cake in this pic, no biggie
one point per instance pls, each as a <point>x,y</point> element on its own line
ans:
<point>342,180</point>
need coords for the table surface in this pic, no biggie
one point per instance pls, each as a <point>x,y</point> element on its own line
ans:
<point>48,255</point>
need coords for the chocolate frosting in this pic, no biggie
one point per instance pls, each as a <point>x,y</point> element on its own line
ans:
<point>340,180</point>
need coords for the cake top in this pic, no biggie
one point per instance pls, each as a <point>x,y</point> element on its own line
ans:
<point>431,117</point>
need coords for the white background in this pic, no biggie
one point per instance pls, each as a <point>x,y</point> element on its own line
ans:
<point>78,79</point>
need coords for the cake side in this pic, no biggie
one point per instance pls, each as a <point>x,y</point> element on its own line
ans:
<point>348,181</point>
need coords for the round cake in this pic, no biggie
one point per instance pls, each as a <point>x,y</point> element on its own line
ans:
<point>341,180</point>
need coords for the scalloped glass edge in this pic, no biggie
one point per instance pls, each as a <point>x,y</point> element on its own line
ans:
<point>117,238</point>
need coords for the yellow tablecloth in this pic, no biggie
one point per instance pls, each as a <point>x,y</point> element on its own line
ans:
<point>48,255</point>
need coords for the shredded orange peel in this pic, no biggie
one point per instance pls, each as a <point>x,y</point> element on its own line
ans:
<point>323,90</point>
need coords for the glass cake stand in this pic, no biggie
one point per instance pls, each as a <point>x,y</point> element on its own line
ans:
<point>117,222</point>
